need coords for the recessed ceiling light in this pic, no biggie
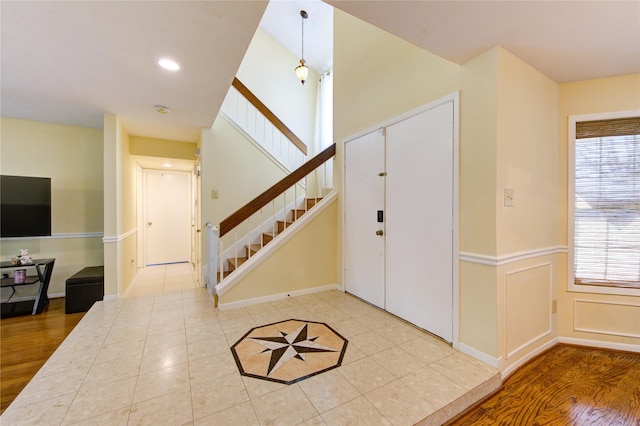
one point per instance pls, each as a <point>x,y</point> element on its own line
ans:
<point>169,64</point>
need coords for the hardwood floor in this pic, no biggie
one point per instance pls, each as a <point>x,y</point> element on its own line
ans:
<point>567,385</point>
<point>26,342</point>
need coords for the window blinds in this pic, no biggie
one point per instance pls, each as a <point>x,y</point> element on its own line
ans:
<point>607,202</point>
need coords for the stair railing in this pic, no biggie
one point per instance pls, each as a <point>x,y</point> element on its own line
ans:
<point>268,214</point>
<point>252,117</point>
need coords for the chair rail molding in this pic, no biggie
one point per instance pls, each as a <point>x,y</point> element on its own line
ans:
<point>511,257</point>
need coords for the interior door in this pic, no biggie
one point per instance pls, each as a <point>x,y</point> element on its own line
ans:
<point>419,237</point>
<point>168,216</point>
<point>364,197</point>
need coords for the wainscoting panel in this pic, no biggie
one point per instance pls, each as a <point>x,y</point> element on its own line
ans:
<point>528,306</point>
<point>612,318</point>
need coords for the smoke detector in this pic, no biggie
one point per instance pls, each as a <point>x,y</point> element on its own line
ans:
<point>161,109</point>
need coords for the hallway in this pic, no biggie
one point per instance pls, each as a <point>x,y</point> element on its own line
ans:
<point>163,279</point>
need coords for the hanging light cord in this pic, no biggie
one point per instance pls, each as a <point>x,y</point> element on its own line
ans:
<point>303,15</point>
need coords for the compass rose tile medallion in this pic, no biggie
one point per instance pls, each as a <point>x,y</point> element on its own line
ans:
<point>289,351</point>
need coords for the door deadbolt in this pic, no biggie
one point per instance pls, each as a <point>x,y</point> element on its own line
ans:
<point>149,223</point>
<point>380,232</point>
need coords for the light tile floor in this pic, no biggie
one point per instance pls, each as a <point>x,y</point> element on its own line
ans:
<point>163,357</point>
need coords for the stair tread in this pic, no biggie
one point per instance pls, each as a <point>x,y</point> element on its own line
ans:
<point>235,262</point>
<point>252,249</point>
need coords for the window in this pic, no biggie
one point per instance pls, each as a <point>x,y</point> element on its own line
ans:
<point>604,219</point>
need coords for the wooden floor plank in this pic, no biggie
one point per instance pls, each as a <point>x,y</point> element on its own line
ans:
<point>26,342</point>
<point>567,385</point>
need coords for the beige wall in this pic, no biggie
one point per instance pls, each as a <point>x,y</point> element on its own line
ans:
<point>599,318</point>
<point>378,76</point>
<point>527,157</point>
<point>120,208</point>
<point>267,69</point>
<point>127,226</point>
<point>152,147</point>
<point>305,261</point>
<point>508,140</point>
<point>72,157</point>
<point>478,154</point>
<point>527,162</point>
<point>111,196</point>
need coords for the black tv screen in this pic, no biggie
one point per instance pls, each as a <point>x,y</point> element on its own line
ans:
<point>25,206</point>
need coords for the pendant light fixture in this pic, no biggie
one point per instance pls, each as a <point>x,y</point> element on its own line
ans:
<point>302,71</point>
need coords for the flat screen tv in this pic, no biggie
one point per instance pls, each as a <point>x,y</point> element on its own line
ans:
<point>25,206</point>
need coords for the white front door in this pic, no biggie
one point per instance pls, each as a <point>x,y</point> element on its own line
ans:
<point>419,233</point>
<point>408,270</point>
<point>168,216</point>
<point>364,197</point>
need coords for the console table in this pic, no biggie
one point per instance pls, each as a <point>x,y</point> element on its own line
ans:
<point>44,269</point>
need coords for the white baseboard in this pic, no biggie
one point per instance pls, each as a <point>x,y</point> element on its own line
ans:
<point>108,297</point>
<point>513,367</point>
<point>600,344</point>
<point>274,297</point>
<point>479,355</point>
<point>55,295</point>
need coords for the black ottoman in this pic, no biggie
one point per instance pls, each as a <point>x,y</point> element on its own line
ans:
<point>83,289</point>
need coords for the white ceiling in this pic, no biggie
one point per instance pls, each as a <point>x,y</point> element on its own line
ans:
<point>282,21</point>
<point>70,62</point>
<point>565,40</point>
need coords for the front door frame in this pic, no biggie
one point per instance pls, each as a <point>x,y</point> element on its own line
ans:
<point>455,98</point>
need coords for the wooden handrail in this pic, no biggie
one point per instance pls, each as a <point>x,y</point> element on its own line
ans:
<point>253,99</point>
<point>243,213</point>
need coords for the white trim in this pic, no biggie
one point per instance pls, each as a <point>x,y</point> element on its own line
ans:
<point>452,97</point>
<point>571,193</point>
<point>57,236</point>
<point>530,342</point>
<point>605,332</point>
<point>108,297</point>
<point>512,257</point>
<point>537,351</point>
<point>479,355</point>
<point>120,237</point>
<point>274,297</point>
<point>456,223</point>
<point>628,347</point>
<point>278,242</point>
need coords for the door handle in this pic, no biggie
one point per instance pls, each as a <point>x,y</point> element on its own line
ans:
<point>380,232</point>
<point>149,223</point>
